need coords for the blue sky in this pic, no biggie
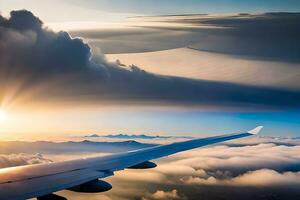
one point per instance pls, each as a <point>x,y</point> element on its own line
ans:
<point>199,123</point>
<point>177,122</point>
<point>190,6</point>
<point>117,10</point>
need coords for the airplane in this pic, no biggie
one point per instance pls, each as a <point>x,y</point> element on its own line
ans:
<point>41,181</point>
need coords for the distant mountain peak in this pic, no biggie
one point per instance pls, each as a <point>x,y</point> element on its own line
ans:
<point>128,136</point>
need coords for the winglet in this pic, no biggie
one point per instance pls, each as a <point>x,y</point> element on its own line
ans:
<point>256,130</point>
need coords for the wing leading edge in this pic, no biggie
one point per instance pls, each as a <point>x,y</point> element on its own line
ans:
<point>38,180</point>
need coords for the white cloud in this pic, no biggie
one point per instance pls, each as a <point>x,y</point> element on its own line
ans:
<point>12,160</point>
<point>140,176</point>
<point>265,177</point>
<point>163,195</point>
<point>264,163</point>
<point>262,177</point>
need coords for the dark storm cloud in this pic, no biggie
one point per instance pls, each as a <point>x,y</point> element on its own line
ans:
<point>54,66</point>
<point>25,43</point>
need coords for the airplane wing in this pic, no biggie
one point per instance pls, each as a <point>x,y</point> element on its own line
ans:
<point>41,180</point>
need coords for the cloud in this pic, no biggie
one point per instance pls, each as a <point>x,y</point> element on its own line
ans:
<point>265,177</point>
<point>279,141</point>
<point>262,177</point>
<point>266,36</point>
<point>30,48</point>
<point>263,164</point>
<point>164,195</point>
<point>12,160</point>
<point>239,160</point>
<point>39,65</point>
<point>137,176</point>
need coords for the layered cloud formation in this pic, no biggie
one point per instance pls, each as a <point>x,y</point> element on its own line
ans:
<point>255,49</point>
<point>39,65</point>
<point>266,36</point>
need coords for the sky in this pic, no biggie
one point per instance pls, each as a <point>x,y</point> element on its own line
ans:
<point>49,126</point>
<point>191,6</point>
<point>70,87</point>
<point>105,10</point>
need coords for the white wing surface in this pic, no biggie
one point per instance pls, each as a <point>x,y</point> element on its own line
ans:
<point>24,182</point>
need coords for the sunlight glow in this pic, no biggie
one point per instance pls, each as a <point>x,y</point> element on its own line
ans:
<point>3,116</point>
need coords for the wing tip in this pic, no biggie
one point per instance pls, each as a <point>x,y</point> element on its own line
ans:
<point>256,130</point>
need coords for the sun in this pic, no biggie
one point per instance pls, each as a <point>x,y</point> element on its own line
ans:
<point>3,116</point>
